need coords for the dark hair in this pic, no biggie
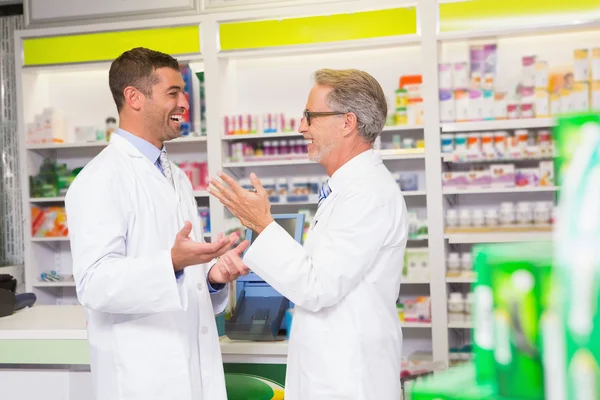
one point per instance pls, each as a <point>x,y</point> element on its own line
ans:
<point>136,68</point>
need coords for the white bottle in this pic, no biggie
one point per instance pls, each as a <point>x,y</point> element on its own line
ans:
<point>478,218</point>
<point>541,213</point>
<point>466,263</point>
<point>464,217</point>
<point>491,218</point>
<point>453,263</point>
<point>456,307</point>
<point>507,214</point>
<point>524,213</point>
<point>451,218</point>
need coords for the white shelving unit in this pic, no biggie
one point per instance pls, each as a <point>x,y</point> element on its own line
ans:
<point>278,80</point>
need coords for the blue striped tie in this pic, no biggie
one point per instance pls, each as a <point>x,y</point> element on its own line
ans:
<point>324,192</point>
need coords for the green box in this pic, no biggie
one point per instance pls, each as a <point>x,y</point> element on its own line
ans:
<point>572,326</point>
<point>519,275</point>
<point>483,319</point>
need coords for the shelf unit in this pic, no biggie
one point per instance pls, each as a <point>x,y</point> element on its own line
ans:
<point>276,79</point>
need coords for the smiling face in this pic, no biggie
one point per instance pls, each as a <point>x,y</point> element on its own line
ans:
<point>324,133</point>
<point>163,111</point>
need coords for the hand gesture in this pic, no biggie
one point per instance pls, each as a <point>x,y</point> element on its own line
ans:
<point>251,208</point>
<point>186,252</point>
<point>230,266</point>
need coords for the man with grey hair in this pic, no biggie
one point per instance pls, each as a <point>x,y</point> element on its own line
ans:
<point>346,340</point>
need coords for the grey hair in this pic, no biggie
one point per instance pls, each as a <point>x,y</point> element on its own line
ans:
<point>358,92</point>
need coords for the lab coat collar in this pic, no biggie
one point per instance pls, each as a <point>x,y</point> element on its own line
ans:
<point>344,176</point>
<point>145,147</point>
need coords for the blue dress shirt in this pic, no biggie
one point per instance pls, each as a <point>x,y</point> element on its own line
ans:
<point>153,153</point>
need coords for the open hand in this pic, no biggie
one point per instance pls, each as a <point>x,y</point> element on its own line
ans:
<point>251,208</point>
<point>186,252</point>
<point>230,266</point>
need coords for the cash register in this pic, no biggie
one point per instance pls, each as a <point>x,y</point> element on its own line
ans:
<point>260,309</point>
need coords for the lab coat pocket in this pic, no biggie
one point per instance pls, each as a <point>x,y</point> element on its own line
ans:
<point>149,355</point>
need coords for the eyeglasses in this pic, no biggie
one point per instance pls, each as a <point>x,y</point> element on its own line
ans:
<point>313,114</point>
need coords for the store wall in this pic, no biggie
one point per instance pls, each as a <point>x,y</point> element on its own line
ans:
<point>11,215</point>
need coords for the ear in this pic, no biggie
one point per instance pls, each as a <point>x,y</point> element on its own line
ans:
<point>350,123</point>
<point>134,98</point>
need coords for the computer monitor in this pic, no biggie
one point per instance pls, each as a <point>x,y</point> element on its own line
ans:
<point>292,223</point>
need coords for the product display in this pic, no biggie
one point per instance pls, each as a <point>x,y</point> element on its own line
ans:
<point>522,144</point>
<point>417,228</point>
<point>468,90</point>
<point>459,265</point>
<point>49,222</point>
<point>497,176</point>
<point>53,180</point>
<point>508,217</point>
<point>414,309</point>
<point>409,102</point>
<point>244,124</point>
<point>197,173</point>
<point>416,265</point>
<point>277,149</point>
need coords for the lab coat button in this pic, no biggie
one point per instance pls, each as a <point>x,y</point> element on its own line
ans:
<point>204,330</point>
<point>200,287</point>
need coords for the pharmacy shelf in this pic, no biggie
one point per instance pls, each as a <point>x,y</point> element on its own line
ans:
<point>461,279</point>
<point>502,190</point>
<point>304,161</point>
<point>58,284</point>
<point>50,239</point>
<point>59,146</point>
<point>460,325</point>
<point>502,237</point>
<point>505,124</point>
<point>449,158</point>
<point>411,193</point>
<point>416,324</point>
<point>46,199</point>
<point>197,194</point>
<point>399,128</point>
<point>416,282</point>
<point>263,136</point>
<point>187,139</point>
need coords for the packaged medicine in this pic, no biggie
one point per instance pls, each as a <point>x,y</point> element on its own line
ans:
<point>500,106</point>
<point>581,68</point>
<point>596,64</point>
<point>595,96</point>
<point>460,76</point>
<point>461,104</point>
<point>475,105</point>
<point>542,103</point>
<point>566,101</point>
<point>487,105</point>
<point>445,76</point>
<point>555,104</point>
<point>580,97</point>
<point>447,113</point>
<point>528,71</point>
<point>541,75</point>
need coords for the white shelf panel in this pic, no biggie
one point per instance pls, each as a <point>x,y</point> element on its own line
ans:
<point>58,146</point>
<point>409,193</point>
<point>201,193</point>
<point>460,325</point>
<point>264,136</point>
<point>501,237</point>
<point>416,324</point>
<point>397,128</point>
<point>304,161</point>
<point>416,282</point>
<point>187,139</point>
<point>502,190</point>
<point>449,158</point>
<point>50,239</point>
<point>58,284</point>
<point>461,279</point>
<point>506,124</point>
<point>46,199</point>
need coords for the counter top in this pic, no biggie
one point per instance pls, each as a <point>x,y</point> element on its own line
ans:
<point>68,322</point>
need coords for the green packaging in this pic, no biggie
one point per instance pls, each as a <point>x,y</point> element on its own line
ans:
<point>483,318</point>
<point>572,327</point>
<point>519,275</point>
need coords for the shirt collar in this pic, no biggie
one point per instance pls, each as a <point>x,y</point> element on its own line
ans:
<point>143,146</point>
<point>348,172</point>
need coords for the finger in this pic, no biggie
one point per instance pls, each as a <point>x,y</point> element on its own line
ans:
<point>233,237</point>
<point>231,267</point>
<point>185,231</point>
<point>257,185</point>
<point>223,190</point>
<point>224,273</point>
<point>242,247</point>
<point>236,187</point>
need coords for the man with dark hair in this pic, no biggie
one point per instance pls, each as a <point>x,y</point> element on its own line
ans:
<point>149,283</point>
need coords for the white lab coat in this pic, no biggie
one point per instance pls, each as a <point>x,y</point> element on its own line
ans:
<point>151,336</point>
<point>346,339</point>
